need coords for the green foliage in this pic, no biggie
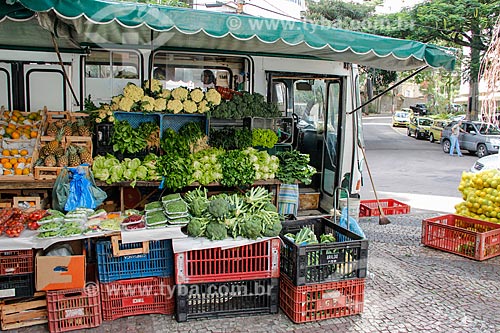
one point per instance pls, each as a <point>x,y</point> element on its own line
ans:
<point>264,138</point>
<point>237,169</point>
<point>230,138</point>
<point>176,171</point>
<point>294,166</point>
<point>245,105</point>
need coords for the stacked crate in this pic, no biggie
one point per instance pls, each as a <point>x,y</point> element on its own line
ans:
<point>325,280</point>
<point>18,308</point>
<point>135,278</point>
<point>216,282</point>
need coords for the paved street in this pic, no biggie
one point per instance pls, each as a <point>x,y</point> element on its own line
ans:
<point>410,288</point>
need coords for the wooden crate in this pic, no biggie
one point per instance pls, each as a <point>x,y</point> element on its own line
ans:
<point>49,173</point>
<point>80,141</point>
<point>26,312</point>
<point>33,202</point>
<point>308,201</point>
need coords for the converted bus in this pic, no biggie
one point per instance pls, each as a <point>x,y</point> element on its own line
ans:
<point>58,53</point>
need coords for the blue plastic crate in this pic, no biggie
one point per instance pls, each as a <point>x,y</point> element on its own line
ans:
<point>176,121</point>
<point>137,118</point>
<point>157,262</point>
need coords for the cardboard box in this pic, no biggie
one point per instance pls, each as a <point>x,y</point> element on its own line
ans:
<point>60,272</point>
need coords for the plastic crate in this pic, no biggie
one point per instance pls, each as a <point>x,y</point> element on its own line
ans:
<point>389,207</point>
<point>254,261</point>
<point>16,262</point>
<point>176,121</point>
<point>462,235</point>
<point>282,126</point>
<point>319,263</point>
<point>136,297</point>
<point>321,301</point>
<point>102,136</point>
<point>137,118</point>
<point>14,286</point>
<point>226,299</point>
<point>158,261</point>
<point>73,309</point>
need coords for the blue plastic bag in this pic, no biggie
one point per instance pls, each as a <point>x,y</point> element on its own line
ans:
<point>83,193</point>
<point>352,225</point>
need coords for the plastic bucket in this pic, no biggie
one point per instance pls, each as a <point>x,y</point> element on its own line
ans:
<point>353,209</point>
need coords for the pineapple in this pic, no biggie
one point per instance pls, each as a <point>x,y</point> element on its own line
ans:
<point>60,123</point>
<point>63,161</point>
<point>74,127</point>
<point>68,130</point>
<point>44,151</point>
<point>85,155</point>
<point>60,151</point>
<point>52,130</point>
<point>50,161</point>
<point>73,158</point>
<point>53,145</point>
<point>83,130</point>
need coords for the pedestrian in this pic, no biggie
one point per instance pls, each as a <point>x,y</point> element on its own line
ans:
<point>455,131</point>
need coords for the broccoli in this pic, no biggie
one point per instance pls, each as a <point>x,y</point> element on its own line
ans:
<point>272,230</point>
<point>216,231</point>
<point>197,226</point>
<point>251,227</point>
<point>219,207</point>
<point>270,207</point>
<point>198,206</point>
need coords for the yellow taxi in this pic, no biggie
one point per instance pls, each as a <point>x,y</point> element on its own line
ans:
<point>436,128</point>
<point>401,118</point>
<point>419,127</point>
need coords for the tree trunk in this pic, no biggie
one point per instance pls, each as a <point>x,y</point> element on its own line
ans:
<point>475,62</point>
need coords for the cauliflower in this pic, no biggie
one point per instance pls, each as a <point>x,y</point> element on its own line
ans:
<point>148,104</point>
<point>126,104</point>
<point>190,106</point>
<point>203,106</point>
<point>133,92</point>
<point>156,86</point>
<point>166,93</point>
<point>213,97</point>
<point>180,93</point>
<point>196,95</point>
<point>160,104</point>
<point>174,106</point>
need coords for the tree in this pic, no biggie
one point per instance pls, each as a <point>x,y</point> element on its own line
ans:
<point>459,23</point>
<point>490,70</point>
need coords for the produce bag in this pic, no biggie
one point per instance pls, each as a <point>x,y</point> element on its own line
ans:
<point>82,190</point>
<point>60,190</point>
<point>352,225</point>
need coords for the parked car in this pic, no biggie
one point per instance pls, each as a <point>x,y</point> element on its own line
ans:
<point>436,129</point>
<point>480,138</point>
<point>486,163</point>
<point>419,109</point>
<point>401,118</point>
<point>419,127</point>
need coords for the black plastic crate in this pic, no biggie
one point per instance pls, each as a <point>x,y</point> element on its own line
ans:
<point>328,262</point>
<point>102,137</point>
<point>226,299</point>
<point>176,121</point>
<point>14,286</point>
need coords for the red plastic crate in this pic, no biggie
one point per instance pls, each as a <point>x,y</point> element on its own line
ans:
<point>254,261</point>
<point>321,301</point>
<point>73,309</point>
<point>389,206</point>
<point>462,235</point>
<point>16,262</point>
<point>133,297</point>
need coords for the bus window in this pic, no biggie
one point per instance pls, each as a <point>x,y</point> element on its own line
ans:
<point>203,71</point>
<point>5,86</point>
<point>309,102</point>
<point>108,72</point>
<point>279,96</point>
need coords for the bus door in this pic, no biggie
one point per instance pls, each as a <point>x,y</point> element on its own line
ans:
<point>315,103</point>
<point>45,85</point>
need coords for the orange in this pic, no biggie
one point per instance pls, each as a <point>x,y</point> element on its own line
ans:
<point>18,171</point>
<point>24,152</point>
<point>9,130</point>
<point>16,135</point>
<point>11,125</point>
<point>14,152</point>
<point>7,172</point>
<point>21,160</point>
<point>13,160</point>
<point>26,171</point>
<point>7,165</point>
<point>28,160</point>
<point>33,134</point>
<point>4,160</point>
<point>6,152</point>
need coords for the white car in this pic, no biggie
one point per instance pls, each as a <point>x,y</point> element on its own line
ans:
<point>486,163</point>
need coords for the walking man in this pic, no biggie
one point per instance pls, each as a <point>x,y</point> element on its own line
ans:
<point>455,131</point>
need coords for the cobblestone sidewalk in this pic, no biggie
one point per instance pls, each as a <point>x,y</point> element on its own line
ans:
<point>410,288</point>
